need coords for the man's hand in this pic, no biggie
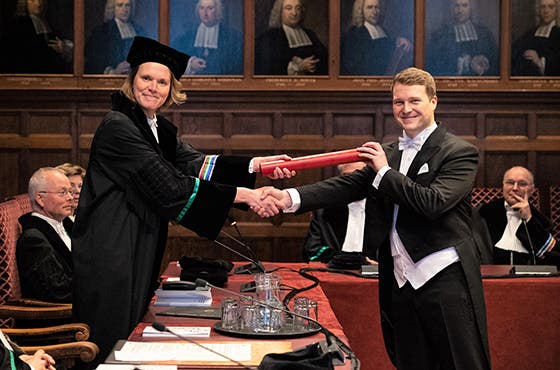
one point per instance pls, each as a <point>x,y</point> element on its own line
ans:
<point>403,44</point>
<point>39,361</point>
<point>533,57</point>
<point>278,173</point>
<point>282,197</point>
<point>309,65</point>
<point>522,206</point>
<point>122,68</point>
<point>197,65</point>
<point>257,200</point>
<point>373,155</point>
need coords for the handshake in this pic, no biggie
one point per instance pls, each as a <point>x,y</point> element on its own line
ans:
<point>266,201</point>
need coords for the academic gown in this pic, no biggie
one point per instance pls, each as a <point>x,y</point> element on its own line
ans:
<point>105,47</point>
<point>328,228</point>
<point>443,51</point>
<point>546,47</point>
<point>226,59</point>
<point>361,55</point>
<point>44,261</point>
<point>25,51</point>
<point>494,220</point>
<point>273,52</point>
<point>132,188</point>
<point>434,214</point>
<point>6,363</point>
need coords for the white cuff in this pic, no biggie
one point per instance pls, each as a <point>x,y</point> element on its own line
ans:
<point>296,201</point>
<point>380,175</point>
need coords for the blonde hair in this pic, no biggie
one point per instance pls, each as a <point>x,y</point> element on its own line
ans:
<point>414,76</point>
<point>70,169</point>
<point>176,96</point>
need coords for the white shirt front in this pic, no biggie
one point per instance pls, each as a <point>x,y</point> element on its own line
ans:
<point>207,37</point>
<point>509,241</point>
<point>354,239</point>
<point>126,30</point>
<point>152,122</point>
<point>297,37</point>
<point>375,32</point>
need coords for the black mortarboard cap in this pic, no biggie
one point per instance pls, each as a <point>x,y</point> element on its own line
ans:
<point>145,50</point>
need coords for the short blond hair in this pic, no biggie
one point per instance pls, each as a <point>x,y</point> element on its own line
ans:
<point>70,169</point>
<point>415,76</point>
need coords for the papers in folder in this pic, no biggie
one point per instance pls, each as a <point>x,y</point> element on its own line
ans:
<point>196,297</point>
<point>172,351</point>
<point>184,331</point>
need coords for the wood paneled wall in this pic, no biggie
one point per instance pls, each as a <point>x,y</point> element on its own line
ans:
<point>40,128</point>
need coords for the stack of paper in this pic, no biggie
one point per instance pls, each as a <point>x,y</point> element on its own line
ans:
<point>184,331</point>
<point>194,297</point>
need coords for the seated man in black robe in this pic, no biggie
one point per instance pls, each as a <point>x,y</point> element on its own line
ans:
<point>510,230</point>
<point>338,234</point>
<point>13,358</point>
<point>43,251</point>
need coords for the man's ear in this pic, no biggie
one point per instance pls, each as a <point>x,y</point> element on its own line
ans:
<point>39,200</point>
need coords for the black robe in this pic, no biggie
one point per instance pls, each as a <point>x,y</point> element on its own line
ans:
<point>44,261</point>
<point>226,59</point>
<point>490,225</point>
<point>273,53</point>
<point>361,55</point>
<point>546,47</point>
<point>105,47</point>
<point>132,188</point>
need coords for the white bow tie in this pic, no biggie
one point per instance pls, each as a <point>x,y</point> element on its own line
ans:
<point>408,143</point>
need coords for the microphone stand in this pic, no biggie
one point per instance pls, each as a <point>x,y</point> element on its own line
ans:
<point>534,260</point>
<point>255,265</point>
<point>335,347</point>
<point>244,256</point>
<point>161,327</point>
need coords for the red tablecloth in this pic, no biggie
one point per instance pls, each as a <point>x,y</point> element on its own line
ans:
<point>523,316</point>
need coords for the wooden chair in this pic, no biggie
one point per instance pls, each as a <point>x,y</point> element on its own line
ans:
<point>482,195</point>
<point>66,343</point>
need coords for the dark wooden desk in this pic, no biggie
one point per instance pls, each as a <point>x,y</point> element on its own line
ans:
<point>326,316</point>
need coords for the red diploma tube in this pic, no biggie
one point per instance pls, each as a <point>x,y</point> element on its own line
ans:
<point>313,161</point>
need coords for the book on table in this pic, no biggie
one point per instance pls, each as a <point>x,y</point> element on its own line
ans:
<point>196,297</point>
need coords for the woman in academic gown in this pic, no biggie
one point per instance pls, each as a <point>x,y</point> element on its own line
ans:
<point>140,176</point>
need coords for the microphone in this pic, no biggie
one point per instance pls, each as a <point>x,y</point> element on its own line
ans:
<point>533,259</point>
<point>255,265</point>
<point>252,267</point>
<point>335,344</point>
<point>244,256</point>
<point>161,327</point>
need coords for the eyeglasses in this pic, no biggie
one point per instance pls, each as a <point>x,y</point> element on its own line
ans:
<point>61,193</point>
<point>520,184</point>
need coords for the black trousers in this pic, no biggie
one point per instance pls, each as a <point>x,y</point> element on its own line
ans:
<point>435,326</point>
